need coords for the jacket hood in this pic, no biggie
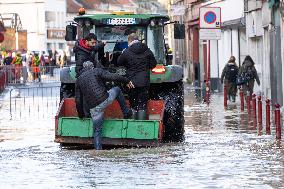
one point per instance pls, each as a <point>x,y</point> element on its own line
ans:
<point>80,44</point>
<point>138,48</point>
<point>248,63</point>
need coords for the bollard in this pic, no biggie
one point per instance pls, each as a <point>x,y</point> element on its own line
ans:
<point>242,99</point>
<point>268,132</point>
<point>254,105</point>
<point>259,104</point>
<point>248,103</point>
<point>207,92</point>
<point>225,97</point>
<point>277,121</point>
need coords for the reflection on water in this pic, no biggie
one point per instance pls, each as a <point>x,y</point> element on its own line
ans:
<point>223,149</point>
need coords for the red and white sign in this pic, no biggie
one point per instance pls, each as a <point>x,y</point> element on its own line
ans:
<point>210,17</point>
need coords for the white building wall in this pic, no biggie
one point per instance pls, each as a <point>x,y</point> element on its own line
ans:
<point>58,7</point>
<point>32,18</point>
<point>32,15</point>
<point>230,9</point>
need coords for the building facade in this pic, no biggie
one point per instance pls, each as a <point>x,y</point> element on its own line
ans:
<point>44,22</point>
<point>249,27</point>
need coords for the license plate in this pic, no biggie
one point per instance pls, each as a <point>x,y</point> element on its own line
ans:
<point>121,21</point>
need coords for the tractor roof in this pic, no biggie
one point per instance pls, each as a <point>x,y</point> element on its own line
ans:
<point>99,17</point>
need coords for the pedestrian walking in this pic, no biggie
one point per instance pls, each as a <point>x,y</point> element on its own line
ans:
<point>92,96</point>
<point>52,57</point>
<point>138,59</point>
<point>249,75</point>
<point>230,73</point>
<point>18,62</point>
<point>36,67</point>
<point>8,59</point>
<point>85,50</point>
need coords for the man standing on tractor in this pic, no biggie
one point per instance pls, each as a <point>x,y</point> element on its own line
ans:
<point>92,96</point>
<point>138,59</point>
<point>85,50</point>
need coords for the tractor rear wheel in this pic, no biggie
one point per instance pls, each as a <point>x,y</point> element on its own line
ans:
<point>173,95</point>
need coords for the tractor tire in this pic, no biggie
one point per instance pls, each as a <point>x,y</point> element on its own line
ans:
<point>67,90</point>
<point>173,95</point>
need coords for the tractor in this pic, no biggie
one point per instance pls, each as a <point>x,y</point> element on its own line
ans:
<point>166,103</point>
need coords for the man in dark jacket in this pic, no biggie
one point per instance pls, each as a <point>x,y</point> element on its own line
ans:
<point>92,96</point>
<point>138,59</point>
<point>230,73</point>
<point>85,50</point>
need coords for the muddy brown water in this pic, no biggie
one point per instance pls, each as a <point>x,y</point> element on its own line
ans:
<point>222,149</point>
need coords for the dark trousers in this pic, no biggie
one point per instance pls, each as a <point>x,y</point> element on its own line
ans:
<point>138,98</point>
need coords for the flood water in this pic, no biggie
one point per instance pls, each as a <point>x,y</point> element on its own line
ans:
<point>221,150</point>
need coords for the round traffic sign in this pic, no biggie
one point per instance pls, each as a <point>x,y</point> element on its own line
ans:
<point>210,17</point>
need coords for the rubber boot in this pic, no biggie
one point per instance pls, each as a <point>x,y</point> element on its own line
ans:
<point>97,141</point>
<point>141,115</point>
<point>134,114</point>
<point>233,98</point>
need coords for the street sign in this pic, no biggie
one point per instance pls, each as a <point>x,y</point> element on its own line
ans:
<point>210,17</point>
<point>210,34</point>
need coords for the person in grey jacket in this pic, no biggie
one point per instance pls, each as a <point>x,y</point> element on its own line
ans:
<point>92,96</point>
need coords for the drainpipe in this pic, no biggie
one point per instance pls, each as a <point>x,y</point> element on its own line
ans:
<point>239,47</point>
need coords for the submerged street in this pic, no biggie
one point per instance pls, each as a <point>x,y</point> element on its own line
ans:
<point>221,150</point>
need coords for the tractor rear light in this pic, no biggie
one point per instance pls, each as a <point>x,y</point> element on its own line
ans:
<point>159,69</point>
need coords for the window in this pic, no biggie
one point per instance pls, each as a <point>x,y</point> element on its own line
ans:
<point>61,45</point>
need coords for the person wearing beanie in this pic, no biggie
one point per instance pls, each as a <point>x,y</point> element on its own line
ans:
<point>92,96</point>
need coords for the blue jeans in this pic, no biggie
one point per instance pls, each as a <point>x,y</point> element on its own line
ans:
<point>97,113</point>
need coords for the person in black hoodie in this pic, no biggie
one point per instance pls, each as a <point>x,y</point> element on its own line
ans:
<point>92,96</point>
<point>85,50</point>
<point>138,59</point>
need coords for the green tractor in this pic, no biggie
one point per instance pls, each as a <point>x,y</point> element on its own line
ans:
<point>166,80</point>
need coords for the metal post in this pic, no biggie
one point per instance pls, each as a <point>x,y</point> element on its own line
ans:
<point>242,99</point>
<point>268,116</point>
<point>248,103</point>
<point>225,97</point>
<point>208,88</point>
<point>259,104</point>
<point>277,121</point>
<point>254,105</point>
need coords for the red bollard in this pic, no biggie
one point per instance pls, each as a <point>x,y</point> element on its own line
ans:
<point>248,104</point>
<point>268,132</point>
<point>225,96</point>
<point>254,105</point>
<point>242,99</point>
<point>277,121</point>
<point>259,103</point>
